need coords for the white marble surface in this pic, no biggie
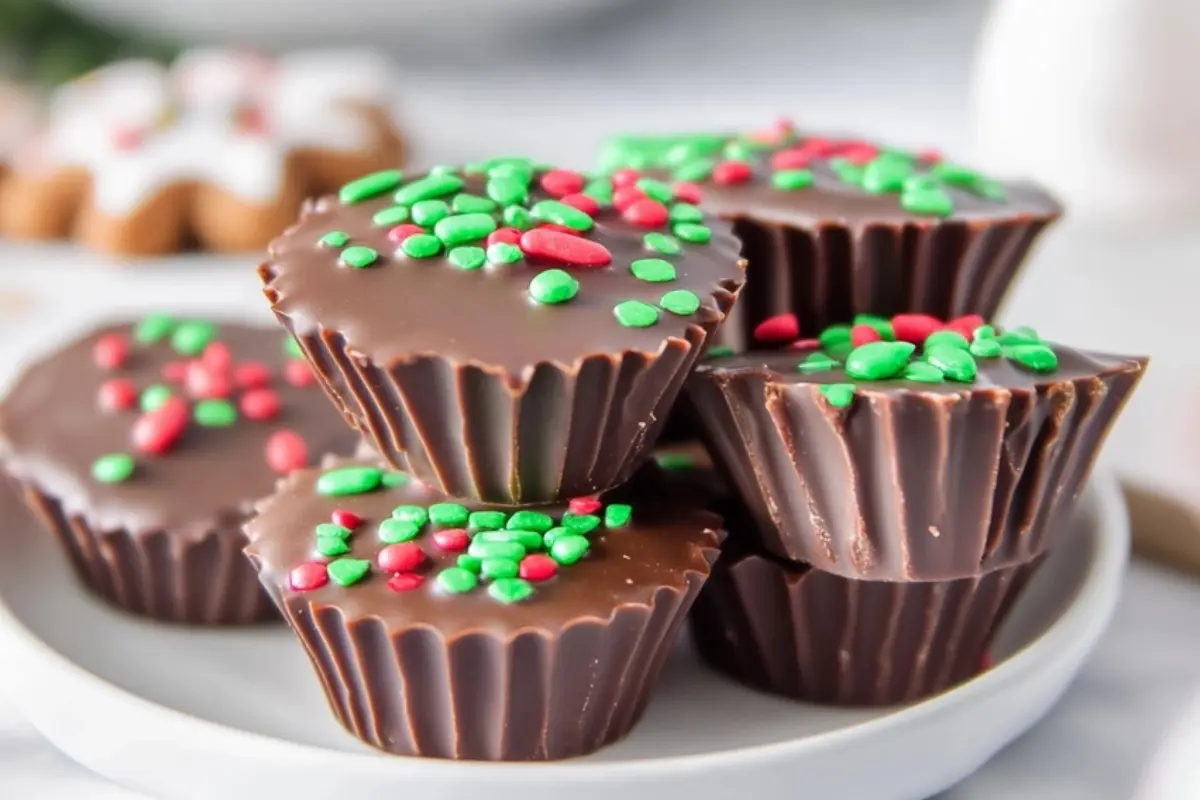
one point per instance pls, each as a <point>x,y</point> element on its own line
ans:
<point>897,69</point>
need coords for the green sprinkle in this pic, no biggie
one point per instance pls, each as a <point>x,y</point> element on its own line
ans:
<point>472,204</point>
<point>467,257</point>
<point>737,151</point>
<point>690,232</point>
<point>463,228</point>
<point>553,286</point>
<point>359,256</point>
<point>986,348</point>
<point>882,325</point>
<point>507,191</point>
<point>456,580</point>
<point>946,339</point>
<point>674,462</point>
<point>499,568</point>
<point>348,571</point>
<point>394,531</point>
<point>469,563</point>
<point>191,337</point>
<point>985,332</point>
<point>1035,357</point>
<point>526,520</point>
<point>921,372</point>
<point>417,515</point>
<point>331,546</point>
<point>154,328</point>
<point>569,548</point>
<point>391,216</point>
<point>680,301</point>
<point>922,182</point>
<point>697,169</point>
<point>512,550</point>
<point>1022,335</point>
<point>886,174</point>
<point>719,351</point>
<point>834,336</point>
<point>429,212</point>
<point>990,189</point>
<point>421,245</point>
<point>530,540</point>
<point>442,169</point>
<point>113,468</point>
<point>551,536</point>
<point>956,174</point>
<point>927,202</point>
<point>790,180</point>
<point>877,361</point>
<point>370,186</point>
<point>847,171</point>
<point>816,362</point>
<point>215,413</point>
<point>956,364</point>
<point>335,239</point>
<point>838,395</point>
<point>518,217</point>
<point>561,214</point>
<point>391,480</point>
<point>617,515</point>
<point>291,347</point>
<point>486,520</point>
<point>601,191</point>
<point>653,270</point>
<point>685,212</point>
<point>504,253</point>
<point>656,190</point>
<point>448,515</point>
<point>428,188</point>
<point>586,523</point>
<point>332,529</point>
<point>635,314</point>
<point>349,480</point>
<point>510,590</point>
<point>662,243</point>
<point>153,396</point>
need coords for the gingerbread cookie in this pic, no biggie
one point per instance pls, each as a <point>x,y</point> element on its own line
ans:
<point>217,151</point>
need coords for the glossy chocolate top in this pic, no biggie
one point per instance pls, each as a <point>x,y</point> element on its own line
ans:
<point>661,545</point>
<point>76,406</point>
<point>470,266</point>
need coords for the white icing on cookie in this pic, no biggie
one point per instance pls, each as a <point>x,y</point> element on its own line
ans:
<point>18,120</point>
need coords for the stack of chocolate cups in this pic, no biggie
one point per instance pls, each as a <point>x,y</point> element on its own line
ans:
<point>900,465</point>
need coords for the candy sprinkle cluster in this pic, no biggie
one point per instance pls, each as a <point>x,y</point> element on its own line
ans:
<point>510,552</point>
<point>504,226</point>
<point>792,162</point>
<point>204,388</point>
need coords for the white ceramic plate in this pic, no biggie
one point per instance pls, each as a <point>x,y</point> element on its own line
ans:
<point>197,715</point>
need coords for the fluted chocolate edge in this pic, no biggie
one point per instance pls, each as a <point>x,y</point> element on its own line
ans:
<point>908,485</point>
<point>194,580</point>
<point>809,635</point>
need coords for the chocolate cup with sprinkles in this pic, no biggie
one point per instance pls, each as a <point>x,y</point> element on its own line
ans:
<point>834,227</point>
<point>462,631</point>
<point>501,331</point>
<point>892,460</point>
<point>142,447</point>
<point>794,631</point>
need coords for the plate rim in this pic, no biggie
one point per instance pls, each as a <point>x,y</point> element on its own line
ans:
<point>1084,618</point>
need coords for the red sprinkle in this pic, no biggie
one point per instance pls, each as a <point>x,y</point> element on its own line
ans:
<point>729,172</point>
<point>687,192</point>
<point>646,213</point>
<point>564,249</point>
<point>157,431</point>
<point>298,373</point>
<point>405,582</point>
<point>204,383</point>
<point>794,158</point>
<point>345,518</point>
<point>581,202</point>
<point>538,567</point>
<point>914,328</point>
<point>863,334</point>
<point>452,540</point>
<point>307,577</point>
<point>819,147</point>
<point>805,344</point>
<point>967,324</point>
<point>561,182</point>
<point>858,152</point>
<point>216,356</point>
<point>930,155</point>
<point>625,177</point>
<point>779,328</point>
<point>286,451</point>
<point>550,226</point>
<point>175,371</point>
<point>116,394</point>
<point>110,351</point>
<point>401,232</point>
<point>251,375</point>
<point>504,236</point>
<point>402,557</point>
<point>584,505</point>
<point>987,662</point>
<point>626,196</point>
<point>260,405</point>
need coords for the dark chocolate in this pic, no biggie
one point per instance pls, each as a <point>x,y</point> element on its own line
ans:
<point>432,673</point>
<point>167,541</point>
<point>458,377</point>
<point>909,481</point>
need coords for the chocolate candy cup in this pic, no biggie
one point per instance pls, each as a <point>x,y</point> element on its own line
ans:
<point>426,671</point>
<point>459,377</point>
<point>802,633</point>
<point>910,481</point>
